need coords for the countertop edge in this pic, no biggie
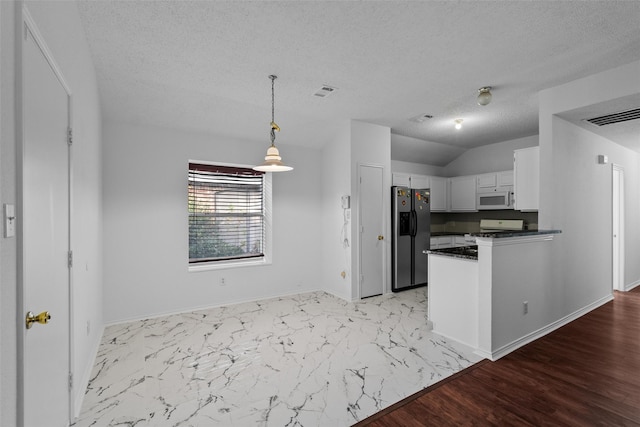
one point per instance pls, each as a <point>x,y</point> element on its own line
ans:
<point>504,234</point>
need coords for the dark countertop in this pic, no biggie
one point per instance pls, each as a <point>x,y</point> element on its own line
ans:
<point>447,233</point>
<point>464,252</point>
<point>519,233</point>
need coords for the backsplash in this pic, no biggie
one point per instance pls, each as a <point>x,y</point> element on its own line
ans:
<point>469,222</point>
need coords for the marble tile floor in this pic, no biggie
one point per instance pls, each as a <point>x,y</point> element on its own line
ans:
<point>304,360</point>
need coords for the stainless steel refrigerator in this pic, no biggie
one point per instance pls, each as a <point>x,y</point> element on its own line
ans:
<point>411,221</point>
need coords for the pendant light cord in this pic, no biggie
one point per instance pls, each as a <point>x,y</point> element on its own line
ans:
<point>273,131</point>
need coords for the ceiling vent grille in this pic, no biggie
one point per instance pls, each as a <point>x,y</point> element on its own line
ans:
<point>610,119</point>
<point>325,91</point>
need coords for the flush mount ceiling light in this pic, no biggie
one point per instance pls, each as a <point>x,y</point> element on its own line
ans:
<point>458,123</point>
<point>273,161</point>
<point>484,95</point>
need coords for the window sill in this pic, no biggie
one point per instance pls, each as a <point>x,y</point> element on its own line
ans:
<point>223,265</point>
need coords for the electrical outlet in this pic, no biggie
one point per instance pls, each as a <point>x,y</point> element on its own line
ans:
<point>525,307</point>
<point>222,282</point>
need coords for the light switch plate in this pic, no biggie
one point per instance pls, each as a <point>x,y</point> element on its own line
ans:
<point>9,220</point>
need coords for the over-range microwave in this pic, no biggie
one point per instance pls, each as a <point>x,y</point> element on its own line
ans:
<point>495,200</point>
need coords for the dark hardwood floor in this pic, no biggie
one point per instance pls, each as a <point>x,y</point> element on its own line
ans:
<point>586,373</point>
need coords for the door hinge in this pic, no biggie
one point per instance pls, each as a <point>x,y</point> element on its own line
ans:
<point>70,381</point>
<point>70,136</point>
<point>70,259</point>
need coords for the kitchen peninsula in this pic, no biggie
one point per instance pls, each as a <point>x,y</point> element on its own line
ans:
<point>490,296</point>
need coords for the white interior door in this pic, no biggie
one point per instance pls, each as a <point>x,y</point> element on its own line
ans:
<point>372,239</point>
<point>618,227</point>
<point>45,397</point>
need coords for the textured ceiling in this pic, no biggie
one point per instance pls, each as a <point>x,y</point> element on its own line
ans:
<point>203,66</point>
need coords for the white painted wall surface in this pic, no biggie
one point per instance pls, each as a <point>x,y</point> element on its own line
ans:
<point>8,249</point>
<point>146,228</point>
<point>61,28</point>
<point>416,168</point>
<point>370,144</point>
<point>336,229</point>
<point>488,158</point>
<point>575,191</point>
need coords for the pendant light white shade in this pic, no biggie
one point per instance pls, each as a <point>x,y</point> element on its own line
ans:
<point>273,161</point>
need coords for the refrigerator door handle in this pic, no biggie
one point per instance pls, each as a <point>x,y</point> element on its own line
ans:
<point>414,223</point>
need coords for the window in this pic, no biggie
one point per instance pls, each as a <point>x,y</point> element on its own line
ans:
<point>227,213</point>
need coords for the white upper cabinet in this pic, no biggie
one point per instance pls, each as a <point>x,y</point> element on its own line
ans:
<point>505,179</point>
<point>412,181</point>
<point>526,166</point>
<point>419,182</point>
<point>463,193</point>
<point>401,179</point>
<point>487,181</point>
<point>439,194</point>
<point>495,181</point>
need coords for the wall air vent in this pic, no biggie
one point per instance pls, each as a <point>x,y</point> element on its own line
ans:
<point>610,119</point>
<point>325,91</point>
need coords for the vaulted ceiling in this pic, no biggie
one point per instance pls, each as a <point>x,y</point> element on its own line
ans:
<point>203,66</point>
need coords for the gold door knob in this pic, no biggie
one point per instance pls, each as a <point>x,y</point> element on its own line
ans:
<point>42,318</point>
<point>380,237</point>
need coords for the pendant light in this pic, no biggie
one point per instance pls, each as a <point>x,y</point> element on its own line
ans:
<point>273,161</point>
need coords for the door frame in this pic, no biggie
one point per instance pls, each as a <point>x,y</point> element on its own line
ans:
<point>617,256</point>
<point>28,26</point>
<point>384,228</point>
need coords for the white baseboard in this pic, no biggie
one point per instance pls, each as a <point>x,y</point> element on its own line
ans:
<point>208,306</point>
<point>632,285</point>
<point>504,350</point>
<point>80,387</point>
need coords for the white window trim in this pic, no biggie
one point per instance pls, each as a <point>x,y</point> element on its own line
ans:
<point>268,220</point>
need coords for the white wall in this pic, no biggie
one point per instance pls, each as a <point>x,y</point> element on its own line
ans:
<point>8,250</point>
<point>416,168</point>
<point>370,144</point>
<point>336,227</point>
<point>146,224</point>
<point>488,158</point>
<point>575,191</point>
<point>60,26</point>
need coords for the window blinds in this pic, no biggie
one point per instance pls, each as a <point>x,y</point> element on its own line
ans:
<point>226,213</point>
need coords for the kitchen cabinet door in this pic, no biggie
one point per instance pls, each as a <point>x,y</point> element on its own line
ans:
<point>401,179</point>
<point>505,179</point>
<point>526,167</point>
<point>419,182</point>
<point>438,194</point>
<point>441,242</point>
<point>487,181</point>
<point>463,193</point>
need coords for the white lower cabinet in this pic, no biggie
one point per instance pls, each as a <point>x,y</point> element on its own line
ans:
<point>459,241</point>
<point>441,242</point>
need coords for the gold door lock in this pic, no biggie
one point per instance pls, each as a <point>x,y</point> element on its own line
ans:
<point>380,237</point>
<point>42,318</point>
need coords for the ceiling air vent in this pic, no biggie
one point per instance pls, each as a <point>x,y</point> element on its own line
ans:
<point>421,118</point>
<point>610,119</point>
<point>325,91</point>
